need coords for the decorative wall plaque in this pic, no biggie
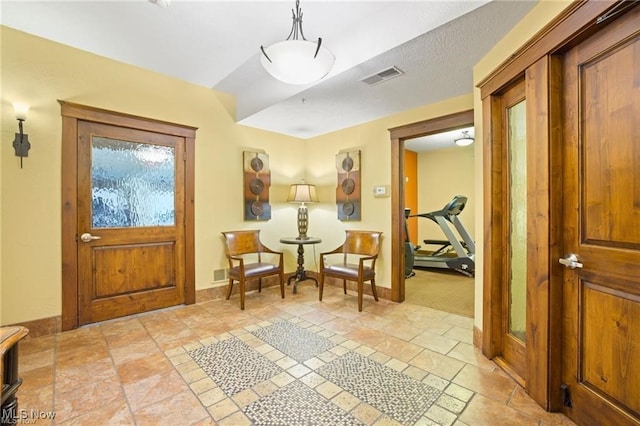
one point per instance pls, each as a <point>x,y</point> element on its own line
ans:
<point>348,189</point>
<point>257,179</point>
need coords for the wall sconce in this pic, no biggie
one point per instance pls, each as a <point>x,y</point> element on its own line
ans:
<point>21,142</point>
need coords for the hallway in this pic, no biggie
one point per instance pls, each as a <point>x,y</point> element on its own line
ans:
<point>180,365</point>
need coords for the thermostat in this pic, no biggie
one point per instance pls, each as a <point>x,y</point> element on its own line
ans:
<point>380,191</point>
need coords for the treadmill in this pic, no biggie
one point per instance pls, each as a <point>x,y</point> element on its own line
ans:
<point>456,252</point>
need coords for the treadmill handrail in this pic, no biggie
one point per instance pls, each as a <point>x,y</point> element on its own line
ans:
<point>453,208</point>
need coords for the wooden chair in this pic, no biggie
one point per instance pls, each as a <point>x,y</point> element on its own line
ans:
<point>361,247</point>
<point>245,252</point>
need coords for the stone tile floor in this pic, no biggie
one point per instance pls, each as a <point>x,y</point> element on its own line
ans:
<point>295,361</point>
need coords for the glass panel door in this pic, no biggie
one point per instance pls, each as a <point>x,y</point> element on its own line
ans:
<point>132,184</point>
<point>130,227</point>
<point>516,134</point>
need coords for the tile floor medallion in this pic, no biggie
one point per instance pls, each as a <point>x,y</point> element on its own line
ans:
<point>293,340</point>
<point>297,404</point>
<point>233,365</point>
<point>395,394</point>
<point>290,372</point>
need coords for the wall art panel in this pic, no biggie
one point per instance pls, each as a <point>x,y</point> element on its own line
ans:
<point>348,191</point>
<point>257,180</point>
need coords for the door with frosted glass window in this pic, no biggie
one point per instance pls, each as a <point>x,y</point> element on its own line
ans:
<point>515,245</point>
<point>131,225</point>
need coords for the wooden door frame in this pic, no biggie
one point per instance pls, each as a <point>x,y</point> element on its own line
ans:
<point>398,135</point>
<point>71,114</point>
<point>538,64</point>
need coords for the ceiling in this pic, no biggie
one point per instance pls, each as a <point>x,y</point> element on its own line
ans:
<point>216,44</point>
<point>438,141</point>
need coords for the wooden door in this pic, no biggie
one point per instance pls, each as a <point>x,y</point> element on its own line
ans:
<point>131,221</point>
<point>601,295</point>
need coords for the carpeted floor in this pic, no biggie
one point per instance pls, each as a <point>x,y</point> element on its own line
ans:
<point>441,289</point>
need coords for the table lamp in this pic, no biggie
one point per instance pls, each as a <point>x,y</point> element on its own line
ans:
<point>302,193</point>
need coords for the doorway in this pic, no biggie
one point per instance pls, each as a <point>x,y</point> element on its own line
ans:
<point>437,170</point>
<point>399,135</point>
<point>127,226</point>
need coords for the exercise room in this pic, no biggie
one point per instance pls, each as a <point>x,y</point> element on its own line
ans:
<point>439,191</point>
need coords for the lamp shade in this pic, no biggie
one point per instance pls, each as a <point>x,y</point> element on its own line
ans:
<point>302,193</point>
<point>296,61</point>
<point>21,110</point>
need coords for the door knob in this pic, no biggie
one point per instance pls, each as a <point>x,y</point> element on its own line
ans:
<point>571,261</point>
<point>87,237</point>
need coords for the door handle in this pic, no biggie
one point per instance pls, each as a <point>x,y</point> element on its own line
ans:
<point>571,261</point>
<point>87,237</point>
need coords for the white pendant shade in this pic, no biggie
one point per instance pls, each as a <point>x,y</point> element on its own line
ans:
<point>465,140</point>
<point>297,60</point>
<point>293,61</point>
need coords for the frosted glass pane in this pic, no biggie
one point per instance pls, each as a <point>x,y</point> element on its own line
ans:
<point>132,184</point>
<point>518,209</point>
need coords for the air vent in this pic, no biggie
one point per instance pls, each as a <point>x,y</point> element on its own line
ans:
<point>219,275</point>
<point>383,75</point>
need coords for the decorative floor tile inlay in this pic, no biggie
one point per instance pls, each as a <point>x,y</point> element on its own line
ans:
<point>233,365</point>
<point>297,404</point>
<point>395,394</point>
<point>299,392</point>
<point>294,341</point>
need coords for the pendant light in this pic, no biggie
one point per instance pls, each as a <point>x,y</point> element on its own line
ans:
<point>465,140</point>
<point>297,60</point>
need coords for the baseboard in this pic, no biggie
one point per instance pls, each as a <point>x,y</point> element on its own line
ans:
<point>221,291</point>
<point>42,327</point>
<point>53,325</point>
<point>477,338</point>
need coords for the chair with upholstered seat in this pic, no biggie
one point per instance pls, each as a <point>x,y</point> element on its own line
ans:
<point>250,259</point>
<point>357,262</point>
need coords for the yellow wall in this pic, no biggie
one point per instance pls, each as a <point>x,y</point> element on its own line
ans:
<point>373,140</point>
<point>442,174</point>
<point>532,23</point>
<point>40,72</point>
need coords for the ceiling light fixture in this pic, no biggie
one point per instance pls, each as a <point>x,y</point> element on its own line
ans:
<point>297,60</point>
<point>465,140</point>
<point>161,3</point>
